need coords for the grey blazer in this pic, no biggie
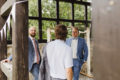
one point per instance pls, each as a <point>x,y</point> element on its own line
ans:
<point>44,71</point>
<point>31,52</point>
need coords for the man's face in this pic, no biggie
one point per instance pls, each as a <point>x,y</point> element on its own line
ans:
<point>75,33</point>
<point>32,32</point>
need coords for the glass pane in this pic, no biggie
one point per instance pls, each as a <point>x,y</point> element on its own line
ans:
<point>89,25</point>
<point>87,0</point>
<point>81,27</point>
<point>65,10</point>
<point>89,12</point>
<point>33,8</point>
<point>9,33</point>
<point>79,12</point>
<point>49,8</point>
<point>45,25</point>
<point>35,24</point>
<point>68,24</point>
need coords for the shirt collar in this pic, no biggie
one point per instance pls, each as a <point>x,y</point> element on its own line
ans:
<point>31,38</point>
<point>60,40</point>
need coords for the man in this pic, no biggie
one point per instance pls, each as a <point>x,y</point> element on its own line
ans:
<point>59,56</point>
<point>80,52</point>
<point>33,54</point>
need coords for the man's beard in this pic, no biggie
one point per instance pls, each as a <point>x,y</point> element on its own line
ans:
<point>32,35</point>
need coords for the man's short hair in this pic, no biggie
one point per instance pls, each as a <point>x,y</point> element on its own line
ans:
<point>76,28</point>
<point>32,27</point>
<point>61,32</point>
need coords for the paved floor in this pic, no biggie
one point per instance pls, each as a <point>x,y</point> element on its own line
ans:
<point>85,78</point>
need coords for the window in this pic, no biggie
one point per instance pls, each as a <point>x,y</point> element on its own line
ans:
<point>45,25</point>
<point>65,10</point>
<point>47,13</point>
<point>79,12</point>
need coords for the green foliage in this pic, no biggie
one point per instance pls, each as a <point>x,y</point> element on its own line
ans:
<point>49,11</point>
<point>45,25</point>
<point>65,10</point>
<point>33,7</point>
<point>87,0</point>
<point>48,8</point>
<point>79,12</point>
<point>8,35</point>
<point>81,27</point>
<point>89,13</point>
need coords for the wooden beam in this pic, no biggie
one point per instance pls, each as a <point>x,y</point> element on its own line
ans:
<point>20,42</point>
<point>2,2</point>
<point>2,21</point>
<point>3,44</point>
<point>3,54</point>
<point>5,9</point>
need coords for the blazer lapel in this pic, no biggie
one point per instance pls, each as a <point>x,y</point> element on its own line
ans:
<point>31,43</point>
